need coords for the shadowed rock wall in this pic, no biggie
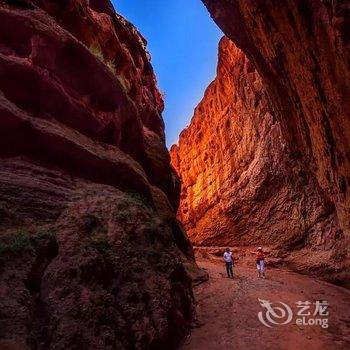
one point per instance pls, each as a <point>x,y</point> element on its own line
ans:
<point>91,254</point>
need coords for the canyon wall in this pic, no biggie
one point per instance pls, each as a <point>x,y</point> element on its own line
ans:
<point>301,50</point>
<point>241,182</point>
<point>270,163</point>
<point>91,254</point>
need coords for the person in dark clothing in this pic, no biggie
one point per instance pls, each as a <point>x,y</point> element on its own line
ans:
<point>229,262</point>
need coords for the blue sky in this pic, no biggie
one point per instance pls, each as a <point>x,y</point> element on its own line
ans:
<point>182,40</point>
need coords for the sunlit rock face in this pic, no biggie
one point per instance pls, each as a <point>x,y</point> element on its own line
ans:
<point>301,50</point>
<point>91,254</point>
<point>241,182</point>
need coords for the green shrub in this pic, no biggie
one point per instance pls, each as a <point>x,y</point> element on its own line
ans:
<point>101,244</point>
<point>96,50</point>
<point>110,64</point>
<point>139,199</point>
<point>47,233</point>
<point>123,214</point>
<point>17,243</point>
<point>20,241</point>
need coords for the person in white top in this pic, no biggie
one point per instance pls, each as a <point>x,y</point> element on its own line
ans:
<point>229,262</point>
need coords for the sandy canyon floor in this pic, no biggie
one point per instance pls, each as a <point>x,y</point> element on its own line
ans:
<point>228,311</point>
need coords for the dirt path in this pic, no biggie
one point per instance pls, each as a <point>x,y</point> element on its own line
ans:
<point>228,312</point>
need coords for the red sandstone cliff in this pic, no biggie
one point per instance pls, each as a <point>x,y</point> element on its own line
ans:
<point>91,255</point>
<point>301,50</point>
<point>242,184</point>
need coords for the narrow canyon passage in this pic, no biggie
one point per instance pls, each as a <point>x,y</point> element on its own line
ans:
<point>263,162</point>
<point>101,225</point>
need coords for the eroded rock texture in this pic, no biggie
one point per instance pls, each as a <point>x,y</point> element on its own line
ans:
<point>91,255</point>
<point>242,182</point>
<point>301,50</point>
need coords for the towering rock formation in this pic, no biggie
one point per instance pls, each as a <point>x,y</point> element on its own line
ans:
<point>286,181</point>
<point>301,50</point>
<point>240,182</point>
<point>91,255</point>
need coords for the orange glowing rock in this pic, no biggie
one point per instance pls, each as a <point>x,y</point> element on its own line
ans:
<point>241,183</point>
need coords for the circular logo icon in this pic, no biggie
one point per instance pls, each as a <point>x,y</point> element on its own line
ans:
<point>274,314</point>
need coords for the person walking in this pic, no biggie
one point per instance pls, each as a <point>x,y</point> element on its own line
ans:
<point>260,261</point>
<point>228,258</point>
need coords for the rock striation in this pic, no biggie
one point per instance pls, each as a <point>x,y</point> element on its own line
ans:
<point>242,182</point>
<point>91,254</point>
<point>301,50</point>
